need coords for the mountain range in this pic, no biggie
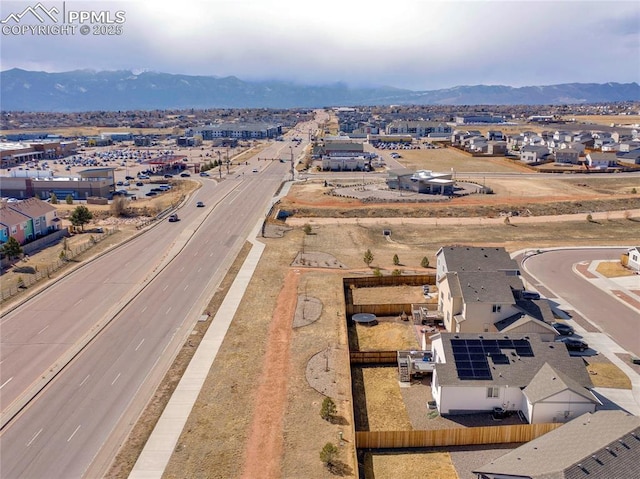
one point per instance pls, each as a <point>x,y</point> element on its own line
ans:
<point>88,90</point>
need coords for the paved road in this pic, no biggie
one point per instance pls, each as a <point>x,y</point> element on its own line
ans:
<point>555,277</point>
<point>60,433</point>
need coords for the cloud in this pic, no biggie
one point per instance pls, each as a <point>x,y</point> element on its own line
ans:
<point>407,43</point>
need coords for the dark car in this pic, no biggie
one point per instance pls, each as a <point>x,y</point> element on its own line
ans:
<point>168,176</point>
<point>139,183</point>
<point>530,295</point>
<point>573,344</point>
<point>185,175</point>
<point>563,329</point>
<point>200,204</point>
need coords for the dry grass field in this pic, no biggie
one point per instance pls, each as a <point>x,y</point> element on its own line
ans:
<point>246,386</point>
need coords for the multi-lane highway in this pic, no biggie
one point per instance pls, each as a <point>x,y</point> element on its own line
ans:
<point>155,287</point>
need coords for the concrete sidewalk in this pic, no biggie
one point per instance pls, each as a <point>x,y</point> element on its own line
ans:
<point>161,444</point>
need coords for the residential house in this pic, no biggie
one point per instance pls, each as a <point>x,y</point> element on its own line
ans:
<point>599,445</point>
<point>15,224</point>
<point>495,135</point>
<point>534,154</point>
<point>568,156</point>
<point>601,160</point>
<point>480,290</point>
<point>633,258</point>
<point>42,215</point>
<point>479,372</point>
<point>632,157</point>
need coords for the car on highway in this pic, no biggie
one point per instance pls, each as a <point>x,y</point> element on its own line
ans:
<point>255,170</point>
<point>204,173</point>
<point>173,218</point>
<point>200,204</point>
<point>563,329</point>
<point>573,344</point>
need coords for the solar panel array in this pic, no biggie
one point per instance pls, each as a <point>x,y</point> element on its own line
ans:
<point>472,355</point>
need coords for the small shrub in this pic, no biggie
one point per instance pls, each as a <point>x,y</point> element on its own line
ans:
<point>396,260</point>
<point>396,272</point>
<point>329,454</point>
<point>328,409</point>
<point>307,229</point>
<point>69,199</point>
<point>425,262</point>
<point>368,257</point>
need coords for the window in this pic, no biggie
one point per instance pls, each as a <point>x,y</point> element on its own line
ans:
<point>496,308</point>
<point>493,392</point>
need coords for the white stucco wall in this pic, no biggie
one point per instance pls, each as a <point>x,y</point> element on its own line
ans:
<point>561,407</point>
<point>474,398</point>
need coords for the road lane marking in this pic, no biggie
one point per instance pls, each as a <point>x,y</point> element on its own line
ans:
<point>74,433</point>
<point>34,437</point>
<point>78,302</point>
<point>168,310</point>
<point>143,309</point>
<point>6,382</point>
<point>42,330</point>
<point>199,269</point>
<point>85,380</point>
<point>185,288</point>
<point>181,269</point>
<point>114,381</point>
<point>140,344</point>
<point>165,287</point>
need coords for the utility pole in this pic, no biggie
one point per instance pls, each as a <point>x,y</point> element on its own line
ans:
<point>219,165</point>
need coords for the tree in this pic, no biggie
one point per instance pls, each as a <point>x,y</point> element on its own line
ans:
<point>69,199</point>
<point>54,199</point>
<point>425,262</point>
<point>396,260</point>
<point>328,409</point>
<point>377,273</point>
<point>80,216</point>
<point>368,257</point>
<point>396,272</point>
<point>119,206</point>
<point>329,454</point>
<point>12,248</point>
<point>307,229</point>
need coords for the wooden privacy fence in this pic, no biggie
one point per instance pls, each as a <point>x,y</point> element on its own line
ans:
<point>373,357</point>
<point>462,436</point>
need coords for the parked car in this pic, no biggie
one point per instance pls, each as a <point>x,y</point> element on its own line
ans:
<point>204,173</point>
<point>168,176</point>
<point>129,178</point>
<point>139,183</point>
<point>573,344</point>
<point>563,329</point>
<point>530,295</point>
<point>185,174</point>
<point>200,204</point>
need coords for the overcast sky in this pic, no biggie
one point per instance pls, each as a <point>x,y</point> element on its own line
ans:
<point>415,44</point>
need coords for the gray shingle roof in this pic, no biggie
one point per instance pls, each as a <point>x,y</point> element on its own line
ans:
<point>469,258</point>
<point>548,382</point>
<point>485,287</point>
<point>597,445</point>
<point>520,370</point>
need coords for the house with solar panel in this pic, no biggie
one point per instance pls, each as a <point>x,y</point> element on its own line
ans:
<point>521,374</point>
<point>603,445</point>
<point>480,290</point>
